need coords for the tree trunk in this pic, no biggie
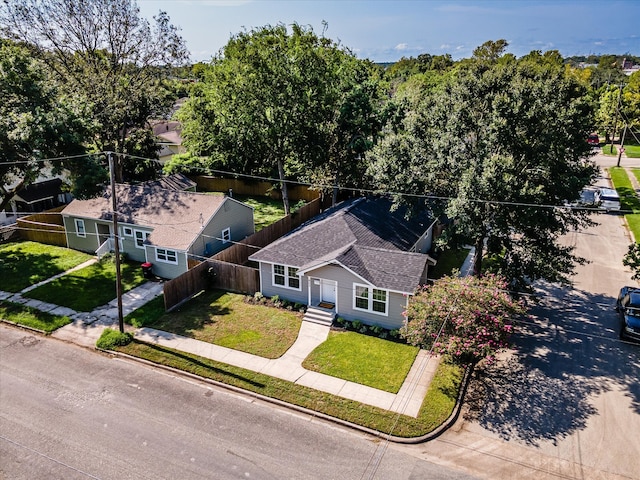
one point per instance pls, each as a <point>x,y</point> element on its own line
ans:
<point>283,184</point>
<point>477,257</point>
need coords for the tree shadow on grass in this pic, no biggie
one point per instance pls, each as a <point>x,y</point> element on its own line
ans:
<point>564,355</point>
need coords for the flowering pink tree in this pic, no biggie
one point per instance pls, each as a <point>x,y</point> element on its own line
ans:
<point>468,318</point>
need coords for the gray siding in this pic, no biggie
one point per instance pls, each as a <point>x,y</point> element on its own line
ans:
<point>234,215</point>
<point>269,290</point>
<point>128,244</point>
<point>344,299</point>
<point>167,270</point>
<point>89,243</point>
<point>423,245</point>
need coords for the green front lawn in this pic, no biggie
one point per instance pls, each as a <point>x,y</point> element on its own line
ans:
<point>628,198</point>
<point>89,287</point>
<point>632,151</point>
<point>30,317</point>
<point>225,319</point>
<point>436,408</point>
<point>26,263</point>
<point>608,149</point>
<point>362,359</point>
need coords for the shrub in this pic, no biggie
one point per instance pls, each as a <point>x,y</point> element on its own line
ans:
<point>258,296</point>
<point>113,338</point>
<point>356,325</point>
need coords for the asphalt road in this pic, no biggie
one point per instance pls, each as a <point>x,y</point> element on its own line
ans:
<point>70,413</point>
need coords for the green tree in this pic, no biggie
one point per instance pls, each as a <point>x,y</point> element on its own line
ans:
<point>466,318</point>
<point>501,146</point>
<point>35,121</point>
<point>632,260</point>
<point>293,105</point>
<point>107,57</point>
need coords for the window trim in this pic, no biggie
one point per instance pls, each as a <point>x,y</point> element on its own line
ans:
<point>81,230</point>
<point>145,235</point>
<point>124,231</point>
<point>370,290</point>
<point>166,254</point>
<point>226,238</point>
<point>287,277</point>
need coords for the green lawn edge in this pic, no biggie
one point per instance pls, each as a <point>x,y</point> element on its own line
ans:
<point>438,405</point>
<point>629,200</point>
<point>30,317</point>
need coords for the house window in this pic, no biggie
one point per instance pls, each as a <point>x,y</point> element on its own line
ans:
<point>370,299</point>
<point>80,231</point>
<point>226,235</point>
<point>166,256</point>
<point>141,237</point>
<point>127,231</point>
<point>287,277</point>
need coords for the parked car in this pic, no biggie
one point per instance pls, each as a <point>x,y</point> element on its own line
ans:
<point>628,308</point>
<point>608,199</point>
<point>593,140</point>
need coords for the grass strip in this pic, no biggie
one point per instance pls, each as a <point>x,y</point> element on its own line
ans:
<point>31,317</point>
<point>621,182</point>
<point>438,404</point>
<point>632,151</point>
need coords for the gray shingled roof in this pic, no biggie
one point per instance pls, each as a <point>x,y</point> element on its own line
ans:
<point>175,216</point>
<point>364,236</point>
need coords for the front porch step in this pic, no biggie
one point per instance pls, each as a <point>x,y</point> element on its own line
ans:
<point>319,315</point>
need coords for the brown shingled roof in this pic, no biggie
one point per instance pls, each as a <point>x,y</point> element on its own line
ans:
<point>176,217</point>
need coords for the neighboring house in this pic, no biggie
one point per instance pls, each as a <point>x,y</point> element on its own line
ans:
<point>161,226</point>
<point>360,261</point>
<point>168,135</point>
<point>175,181</point>
<point>36,197</point>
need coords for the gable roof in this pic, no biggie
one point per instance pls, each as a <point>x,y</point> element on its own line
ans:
<point>175,216</point>
<point>175,181</point>
<point>36,192</point>
<point>362,235</point>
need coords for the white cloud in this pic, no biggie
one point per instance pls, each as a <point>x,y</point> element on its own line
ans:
<point>401,46</point>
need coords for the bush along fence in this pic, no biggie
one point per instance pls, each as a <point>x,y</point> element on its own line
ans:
<point>227,270</point>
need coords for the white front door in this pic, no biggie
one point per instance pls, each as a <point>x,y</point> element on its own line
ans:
<point>328,291</point>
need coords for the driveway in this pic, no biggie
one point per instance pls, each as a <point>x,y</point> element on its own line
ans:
<point>565,403</point>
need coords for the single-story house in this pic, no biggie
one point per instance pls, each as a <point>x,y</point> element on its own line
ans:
<point>162,226</point>
<point>175,181</point>
<point>360,260</point>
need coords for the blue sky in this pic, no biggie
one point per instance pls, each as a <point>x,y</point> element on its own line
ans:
<point>383,30</point>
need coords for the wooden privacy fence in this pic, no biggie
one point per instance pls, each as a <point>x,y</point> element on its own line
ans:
<point>226,269</point>
<point>43,228</point>
<point>239,253</point>
<point>210,274</point>
<point>241,187</point>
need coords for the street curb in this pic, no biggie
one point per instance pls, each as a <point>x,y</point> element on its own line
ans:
<point>26,327</point>
<point>403,440</point>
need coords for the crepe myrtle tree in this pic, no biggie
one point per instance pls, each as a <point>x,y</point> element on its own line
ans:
<point>466,318</point>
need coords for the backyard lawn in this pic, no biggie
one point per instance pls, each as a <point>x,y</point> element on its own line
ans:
<point>266,210</point>
<point>26,263</point>
<point>30,317</point>
<point>89,287</point>
<point>363,359</point>
<point>225,319</point>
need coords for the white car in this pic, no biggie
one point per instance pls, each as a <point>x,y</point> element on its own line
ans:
<point>608,199</point>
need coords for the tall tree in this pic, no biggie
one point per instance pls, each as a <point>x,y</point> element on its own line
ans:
<point>35,122</point>
<point>273,102</point>
<point>504,144</point>
<point>105,54</point>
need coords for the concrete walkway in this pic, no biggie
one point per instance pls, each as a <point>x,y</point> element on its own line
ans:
<point>86,328</point>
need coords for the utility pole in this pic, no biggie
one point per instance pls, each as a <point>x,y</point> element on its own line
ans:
<point>615,122</point>
<point>624,133</point>
<point>116,246</point>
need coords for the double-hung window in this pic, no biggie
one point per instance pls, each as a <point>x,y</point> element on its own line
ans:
<point>140,237</point>
<point>226,235</point>
<point>166,256</point>
<point>371,299</point>
<point>80,231</point>
<point>285,276</point>
<point>127,231</point>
